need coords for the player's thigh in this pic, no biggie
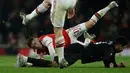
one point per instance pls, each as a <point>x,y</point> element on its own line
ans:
<point>58,13</point>
<point>59,10</point>
<point>71,58</point>
<point>67,4</point>
<point>77,30</point>
<point>59,18</point>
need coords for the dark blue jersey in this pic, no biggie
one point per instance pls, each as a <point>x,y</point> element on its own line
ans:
<point>99,51</point>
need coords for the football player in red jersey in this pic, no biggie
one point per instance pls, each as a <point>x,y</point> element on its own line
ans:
<point>40,50</point>
<point>95,51</point>
<point>70,35</point>
<point>59,8</point>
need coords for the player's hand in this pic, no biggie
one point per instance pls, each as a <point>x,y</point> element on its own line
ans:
<point>121,65</point>
<point>87,35</point>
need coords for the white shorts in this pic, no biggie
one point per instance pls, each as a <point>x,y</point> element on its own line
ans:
<point>76,32</point>
<point>59,9</point>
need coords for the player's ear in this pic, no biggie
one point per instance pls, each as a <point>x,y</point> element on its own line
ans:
<point>29,41</point>
<point>36,39</point>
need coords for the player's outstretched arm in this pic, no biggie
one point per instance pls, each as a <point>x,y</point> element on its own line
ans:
<point>48,42</point>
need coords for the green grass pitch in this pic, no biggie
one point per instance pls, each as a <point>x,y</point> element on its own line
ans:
<point>7,66</point>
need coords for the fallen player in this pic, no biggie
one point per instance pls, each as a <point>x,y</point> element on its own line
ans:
<point>95,51</point>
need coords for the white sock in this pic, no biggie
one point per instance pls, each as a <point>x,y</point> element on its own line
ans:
<point>51,51</point>
<point>60,47</point>
<point>25,58</point>
<point>100,14</point>
<point>40,9</point>
<point>103,11</point>
<point>60,53</point>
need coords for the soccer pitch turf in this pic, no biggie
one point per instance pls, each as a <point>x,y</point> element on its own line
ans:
<point>7,66</point>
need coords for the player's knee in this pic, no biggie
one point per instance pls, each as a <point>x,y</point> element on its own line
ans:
<point>89,24</point>
<point>60,41</point>
<point>58,31</point>
<point>83,26</point>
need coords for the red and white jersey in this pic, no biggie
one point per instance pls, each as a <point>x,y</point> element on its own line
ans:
<point>51,37</point>
<point>70,36</point>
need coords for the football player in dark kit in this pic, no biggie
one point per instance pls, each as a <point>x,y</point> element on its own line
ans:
<point>98,51</point>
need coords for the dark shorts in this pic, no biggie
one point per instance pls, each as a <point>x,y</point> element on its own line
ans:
<point>73,53</point>
<point>77,52</point>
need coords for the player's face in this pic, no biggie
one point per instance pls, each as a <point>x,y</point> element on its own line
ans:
<point>36,44</point>
<point>119,47</point>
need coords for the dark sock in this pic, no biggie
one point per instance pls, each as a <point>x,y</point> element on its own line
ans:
<point>39,62</point>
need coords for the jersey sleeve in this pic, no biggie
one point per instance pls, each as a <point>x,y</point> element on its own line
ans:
<point>48,42</point>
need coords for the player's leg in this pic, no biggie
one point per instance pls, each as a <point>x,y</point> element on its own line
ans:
<point>59,40</point>
<point>58,14</point>
<point>73,53</point>
<point>28,61</point>
<point>58,18</point>
<point>99,15</point>
<point>59,9</point>
<point>40,62</point>
<point>40,9</point>
<point>78,30</point>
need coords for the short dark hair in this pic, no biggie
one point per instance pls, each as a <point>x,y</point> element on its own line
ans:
<point>121,40</point>
<point>29,41</point>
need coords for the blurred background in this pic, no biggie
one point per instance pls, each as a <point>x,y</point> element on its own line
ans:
<point>13,34</point>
